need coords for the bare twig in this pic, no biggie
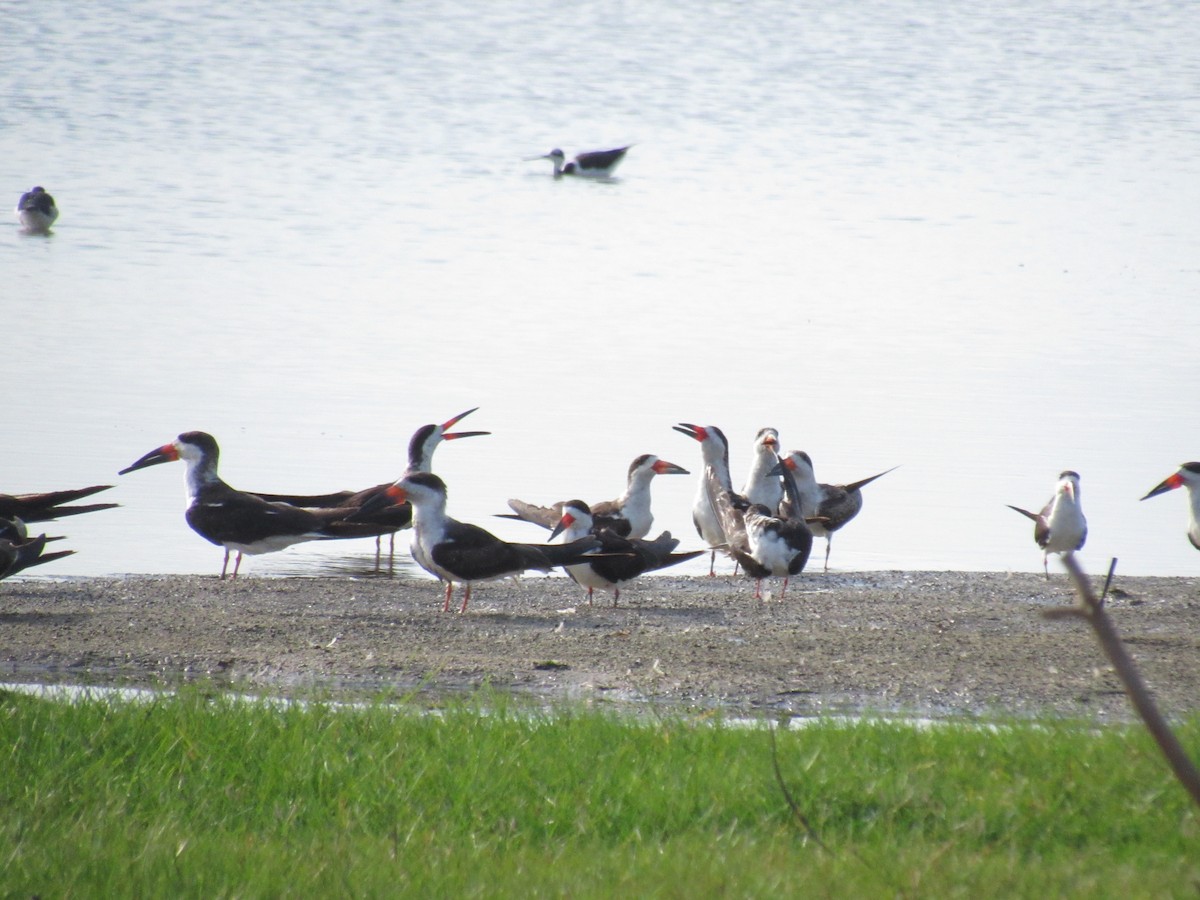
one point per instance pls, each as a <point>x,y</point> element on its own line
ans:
<point>1139,695</point>
<point>791,801</point>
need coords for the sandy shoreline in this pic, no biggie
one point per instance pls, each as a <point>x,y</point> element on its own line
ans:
<point>928,643</point>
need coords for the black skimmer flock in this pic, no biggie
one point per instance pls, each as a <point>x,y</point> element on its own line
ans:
<point>763,543</point>
<point>761,486</point>
<point>244,522</point>
<point>454,551</point>
<point>1188,476</point>
<point>825,507</point>
<point>715,449</point>
<point>36,210</point>
<point>622,559</point>
<point>628,516</point>
<point>594,164</point>
<point>396,517</point>
<point>51,505</point>
<point>1060,527</point>
<point>18,551</point>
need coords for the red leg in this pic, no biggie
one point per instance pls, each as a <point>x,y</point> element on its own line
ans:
<point>466,597</point>
<point>449,590</point>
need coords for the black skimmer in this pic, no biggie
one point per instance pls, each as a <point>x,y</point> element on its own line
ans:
<point>1060,527</point>
<point>244,522</point>
<point>36,210</point>
<point>454,551</point>
<point>622,559</point>
<point>825,507</point>
<point>761,486</point>
<point>18,551</point>
<point>1188,476</point>
<point>763,543</point>
<point>715,449</point>
<point>51,505</point>
<point>594,164</point>
<point>628,516</point>
<point>397,517</point>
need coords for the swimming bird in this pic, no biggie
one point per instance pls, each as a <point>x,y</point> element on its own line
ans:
<point>1060,527</point>
<point>396,517</point>
<point>36,210</point>
<point>621,559</point>
<point>454,551</point>
<point>239,521</point>
<point>825,507</point>
<point>594,164</point>
<point>1188,476</point>
<point>714,447</point>
<point>762,542</point>
<point>50,505</point>
<point>627,516</point>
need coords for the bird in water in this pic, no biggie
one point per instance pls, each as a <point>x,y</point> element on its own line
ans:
<point>593,164</point>
<point>36,210</point>
<point>1060,527</point>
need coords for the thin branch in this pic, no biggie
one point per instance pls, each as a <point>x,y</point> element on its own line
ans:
<point>791,801</point>
<point>1139,695</point>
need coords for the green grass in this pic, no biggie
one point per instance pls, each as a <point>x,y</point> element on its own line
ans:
<point>198,795</point>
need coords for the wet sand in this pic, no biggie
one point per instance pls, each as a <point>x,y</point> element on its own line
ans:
<point>922,643</point>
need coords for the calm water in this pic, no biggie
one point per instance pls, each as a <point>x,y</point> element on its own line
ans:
<point>954,238</point>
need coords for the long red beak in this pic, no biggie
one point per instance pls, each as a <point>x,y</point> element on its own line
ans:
<point>1167,484</point>
<point>165,453</point>
<point>563,524</point>
<point>447,436</point>
<point>662,467</point>
<point>695,432</point>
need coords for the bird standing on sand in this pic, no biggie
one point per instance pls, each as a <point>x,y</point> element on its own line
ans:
<point>454,551</point>
<point>622,559</point>
<point>763,543</point>
<point>761,485</point>
<point>627,516</point>
<point>1060,527</point>
<point>825,507</point>
<point>36,210</point>
<point>714,447</point>
<point>1188,476</point>
<point>244,522</point>
<point>593,164</point>
<point>395,517</point>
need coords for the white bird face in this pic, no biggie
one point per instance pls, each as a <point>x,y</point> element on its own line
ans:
<point>766,441</point>
<point>1068,485</point>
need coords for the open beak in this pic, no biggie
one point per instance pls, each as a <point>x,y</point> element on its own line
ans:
<point>662,467</point>
<point>1167,484</point>
<point>695,432</point>
<point>448,436</point>
<point>165,453</point>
